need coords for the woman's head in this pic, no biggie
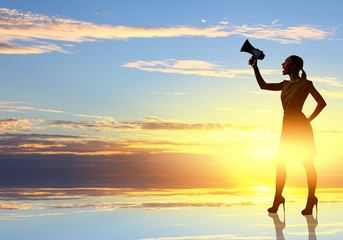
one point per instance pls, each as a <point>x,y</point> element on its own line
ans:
<point>292,66</point>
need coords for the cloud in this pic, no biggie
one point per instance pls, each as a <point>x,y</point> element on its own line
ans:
<point>90,125</point>
<point>157,119</point>
<point>37,136</point>
<point>146,205</point>
<point>49,110</point>
<point>32,108</point>
<point>9,102</point>
<point>94,116</point>
<point>332,94</point>
<point>103,14</point>
<point>19,107</point>
<point>328,80</point>
<point>174,126</point>
<point>85,205</point>
<point>20,125</point>
<point>106,123</point>
<point>192,67</point>
<point>34,30</point>
<point>284,35</point>
<point>224,22</point>
<point>15,206</point>
<point>9,48</point>
<point>150,123</point>
<point>12,108</point>
<point>80,161</point>
<point>24,144</point>
<point>21,145</point>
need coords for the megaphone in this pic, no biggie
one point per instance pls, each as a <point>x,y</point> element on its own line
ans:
<point>247,47</point>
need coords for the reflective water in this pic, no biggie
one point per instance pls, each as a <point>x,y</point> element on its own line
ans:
<point>93,213</point>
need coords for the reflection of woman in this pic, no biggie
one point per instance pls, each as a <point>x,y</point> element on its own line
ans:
<point>296,135</point>
<point>312,223</point>
<point>279,226</point>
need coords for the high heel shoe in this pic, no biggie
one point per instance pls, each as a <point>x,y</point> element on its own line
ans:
<point>276,205</point>
<point>309,206</point>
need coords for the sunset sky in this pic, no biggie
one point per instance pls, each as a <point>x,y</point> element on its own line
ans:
<point>157,93</point>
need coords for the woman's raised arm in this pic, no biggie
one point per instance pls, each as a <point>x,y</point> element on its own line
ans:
<point>260,80</point>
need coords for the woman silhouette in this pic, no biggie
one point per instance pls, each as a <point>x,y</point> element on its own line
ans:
<point>296,136</point>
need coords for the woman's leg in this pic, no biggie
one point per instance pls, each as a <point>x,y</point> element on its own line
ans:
<point>280,183</point>
<point>312,184</point>
<point>311,176</point>
<point>281,176</point>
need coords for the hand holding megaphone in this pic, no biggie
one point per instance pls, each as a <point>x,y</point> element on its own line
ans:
<point>256,53</point>
<point>253,61</point>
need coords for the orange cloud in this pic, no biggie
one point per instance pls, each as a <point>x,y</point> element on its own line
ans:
<point>151,123</point>
<point>9,48</point>
<point>15,206</point>
<point>20,125</point>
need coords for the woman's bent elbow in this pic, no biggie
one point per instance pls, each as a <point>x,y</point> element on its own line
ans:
<point>322,105</point>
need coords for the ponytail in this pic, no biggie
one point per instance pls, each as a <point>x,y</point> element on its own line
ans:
<point>303,74</point>
<point>299,63</point>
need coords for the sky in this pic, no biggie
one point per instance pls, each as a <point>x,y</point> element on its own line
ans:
<point>150,94</point>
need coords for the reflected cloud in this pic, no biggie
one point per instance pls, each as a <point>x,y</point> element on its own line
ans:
<point>49,202</point>
<point>142,198</point>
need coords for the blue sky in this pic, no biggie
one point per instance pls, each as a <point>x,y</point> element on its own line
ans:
<point>159,76</point>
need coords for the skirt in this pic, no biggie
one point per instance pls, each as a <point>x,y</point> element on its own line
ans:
<point>297,139</point>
